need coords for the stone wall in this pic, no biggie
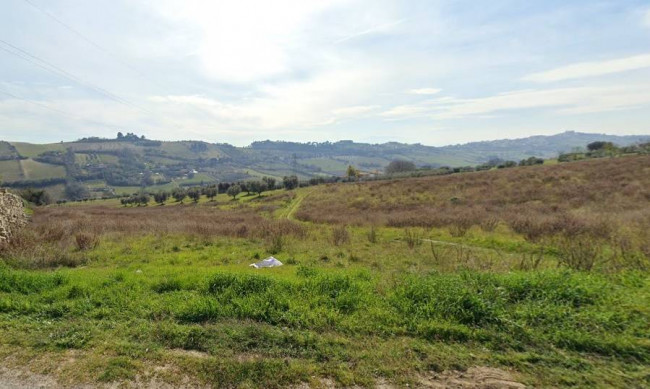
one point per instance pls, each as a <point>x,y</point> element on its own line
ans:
<point>12,215</point>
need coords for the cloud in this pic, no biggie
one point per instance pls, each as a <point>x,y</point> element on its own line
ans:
<point>354,110</point>
<point>646,18</point>
<point>425,91</point>
<point>243,41</point>
<point>405,111</point>
<point>372,30</point>
<point>591,69</point>
<point>324,99</point>
<point>562,100</point>
<point>72,117</point>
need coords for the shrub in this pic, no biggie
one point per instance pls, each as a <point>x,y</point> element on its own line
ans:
<point>167,285</point>
<point>340,235</point>
<point>412,237</point>
<point>399,166</point>
<point>372,235</point>
<point>579,252</point>
<point>275,243</point>
<point>86,241</point>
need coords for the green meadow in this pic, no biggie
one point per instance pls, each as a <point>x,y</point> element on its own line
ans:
<point>104,293</point>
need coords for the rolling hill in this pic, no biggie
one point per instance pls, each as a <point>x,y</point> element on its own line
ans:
<point>125,163</point>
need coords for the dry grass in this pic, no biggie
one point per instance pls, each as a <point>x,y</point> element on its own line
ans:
<point>544,193</point>
<point>605,200</point>
<point>60,235</point>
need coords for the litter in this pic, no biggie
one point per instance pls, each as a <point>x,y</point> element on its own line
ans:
<point>268,262</point>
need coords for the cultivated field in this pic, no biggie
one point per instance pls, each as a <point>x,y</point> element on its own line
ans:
<point>540,272</point>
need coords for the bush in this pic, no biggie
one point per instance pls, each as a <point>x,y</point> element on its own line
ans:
<point>579,252</point>
<point>86,241</point>
<point>412,237</point>
<point>372,235</point>
<point>399,166</point>
<point>340,235</point>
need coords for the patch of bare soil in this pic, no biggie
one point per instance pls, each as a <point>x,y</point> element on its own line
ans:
<point>474,378</point>
<point>15,378</point>
<point>18,379</point>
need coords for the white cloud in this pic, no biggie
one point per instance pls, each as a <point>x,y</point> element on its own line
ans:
<point>355,110</point>
<point>425,91</point>
<point>321,100</point>
<point>591,69</point>
<point>404,111</point>
<point>562,100</point>
<point>372,30</point>
<point>241,41</point>
<point>646,19</point>
<point>72,117</point>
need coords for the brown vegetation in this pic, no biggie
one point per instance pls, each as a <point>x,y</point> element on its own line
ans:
<point>578,206</point>
<point>64,233</point>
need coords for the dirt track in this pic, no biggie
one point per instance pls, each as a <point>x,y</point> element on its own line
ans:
<point>473,378</point>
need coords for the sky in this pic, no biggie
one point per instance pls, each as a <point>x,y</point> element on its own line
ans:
<point>431,72</point>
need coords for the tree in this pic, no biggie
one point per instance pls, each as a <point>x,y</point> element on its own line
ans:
<point>258,187</point>
<point>194,194</point>
<point>290,182</point>
<point>160,197</point>
<point>147,178</point>
<point>399,166</point>
<point>507,164</point>
<point>76,191</point>
<point>223,187</point>
<point>120,136</point>
<point>179,194</point>
<point>531,161</point>
<point>142,199</point>
<point>245,187</point>
<point>352,173</point>
<point>36,197</point>
<point>233,191</point>
<point>211,193</point>
<point>270,182</point>
<point>600,145</point>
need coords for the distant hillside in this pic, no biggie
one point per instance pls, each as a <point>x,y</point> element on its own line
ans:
<point>543,146</point>
<point>128,162</point>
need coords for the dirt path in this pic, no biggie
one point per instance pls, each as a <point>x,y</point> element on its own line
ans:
<point>295,204</point>
<point>17,379</point>
<point>474,378</point>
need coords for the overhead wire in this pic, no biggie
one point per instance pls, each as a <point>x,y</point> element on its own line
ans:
<point>91,42</point>
<point>52,68</point>
<point>48,66</point>
<point>104,50</point>
<point>57,110</point>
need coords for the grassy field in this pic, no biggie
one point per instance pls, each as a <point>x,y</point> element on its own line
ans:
<point>37,170</point>
<point>11,170</point>
<point>375,288</point>
<point>31,150</point>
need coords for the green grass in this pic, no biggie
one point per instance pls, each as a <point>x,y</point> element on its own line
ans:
<point>370,308</point>
<point>10,170</point>
<point>31,150</point>
<point>37,170</point>
<point>6,150</point>
<point>321,318</point>
<point>326,164</point>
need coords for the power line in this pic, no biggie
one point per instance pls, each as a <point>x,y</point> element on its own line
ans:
<point>117,58</point>
<point>58,110</point>
<point>48,66</point>
<point>95,44</point>
<point>29,57</point>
